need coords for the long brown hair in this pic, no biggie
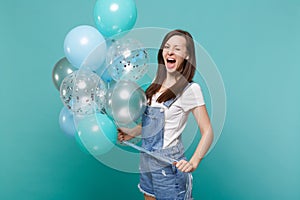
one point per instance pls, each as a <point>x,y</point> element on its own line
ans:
<point>186,69</point>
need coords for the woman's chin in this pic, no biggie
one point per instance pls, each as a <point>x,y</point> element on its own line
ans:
<point>171,70</point>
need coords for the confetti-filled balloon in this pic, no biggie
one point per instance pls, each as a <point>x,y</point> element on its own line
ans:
<point>61,69</point>
<point>114,16</point>
<point>126,102</point>
<point>127,60</point>
<point>83,92</point>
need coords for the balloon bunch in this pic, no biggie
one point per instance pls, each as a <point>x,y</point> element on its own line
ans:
<point>97,77</point>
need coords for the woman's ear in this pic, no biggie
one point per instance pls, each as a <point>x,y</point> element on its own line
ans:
<point>187,57</point>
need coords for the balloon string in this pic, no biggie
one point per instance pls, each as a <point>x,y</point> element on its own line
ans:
<point>189,184</point>
<point>189,187</point>
<point>153,154</point>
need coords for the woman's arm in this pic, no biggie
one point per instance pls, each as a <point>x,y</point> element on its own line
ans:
<point>202,118</point>
<point>129,133</point>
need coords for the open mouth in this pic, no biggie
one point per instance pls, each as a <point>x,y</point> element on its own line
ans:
<point>171,60</point>
<point>171,63</point>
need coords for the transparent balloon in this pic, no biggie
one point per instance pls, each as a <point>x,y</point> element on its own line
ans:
<point>83,92</point>
<point>127,60</point>
<point>126,102</point>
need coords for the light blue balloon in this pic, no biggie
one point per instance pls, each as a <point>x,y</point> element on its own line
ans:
<point>97,133</point>
<point>66,122</point>
<point>84,46</point>
<point>81,146</point>
<point>105,76</point>
<point>114,16</point>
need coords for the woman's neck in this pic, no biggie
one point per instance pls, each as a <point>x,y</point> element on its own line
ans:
<point>170,80</point>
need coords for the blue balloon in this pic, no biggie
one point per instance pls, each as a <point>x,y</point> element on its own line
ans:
<point>114,16</point>
<point>97,133</point>
<point>106,76</point>
<point>85,47</point>
<point>66,122</point>
<point>81,146</point>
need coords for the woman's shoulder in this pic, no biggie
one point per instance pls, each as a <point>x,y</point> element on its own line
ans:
<point>193,91</point>
<point>193,87</point>
<point>191,97</point>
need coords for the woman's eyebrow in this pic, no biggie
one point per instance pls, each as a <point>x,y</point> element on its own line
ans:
<point>176,45</point>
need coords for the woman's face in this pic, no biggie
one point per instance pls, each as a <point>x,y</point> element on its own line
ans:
<point>174,52</point>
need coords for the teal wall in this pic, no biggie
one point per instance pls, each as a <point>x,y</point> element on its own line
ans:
<point>256,47</point>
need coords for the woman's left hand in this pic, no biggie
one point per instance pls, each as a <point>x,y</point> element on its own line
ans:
<point>185,166</point>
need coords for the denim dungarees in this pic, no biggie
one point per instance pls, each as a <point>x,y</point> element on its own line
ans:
<point>157,178</point>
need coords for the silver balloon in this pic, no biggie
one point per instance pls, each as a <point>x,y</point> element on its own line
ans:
<point>127,60</point>
<point>126,102</point>
<point>83,92</point>
<point>61,69</point>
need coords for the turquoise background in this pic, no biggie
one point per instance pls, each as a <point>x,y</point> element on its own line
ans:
<point>256,47</point>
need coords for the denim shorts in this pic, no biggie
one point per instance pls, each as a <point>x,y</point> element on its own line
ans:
<point>162,180</point>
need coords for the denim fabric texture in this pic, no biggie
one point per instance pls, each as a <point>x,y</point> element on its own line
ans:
<point>157,178</point>
<point>163,180</point>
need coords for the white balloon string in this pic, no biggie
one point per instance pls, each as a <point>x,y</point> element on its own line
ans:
<point>189,184</point>
<point>189,187</point>
<point>153,154</point>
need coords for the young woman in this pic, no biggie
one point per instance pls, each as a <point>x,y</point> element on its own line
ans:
<point>171,98</point>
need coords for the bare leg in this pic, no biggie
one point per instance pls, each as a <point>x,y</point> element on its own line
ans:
<point>148,197</point>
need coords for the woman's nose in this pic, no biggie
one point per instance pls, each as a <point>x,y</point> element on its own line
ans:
<point>170,51</point>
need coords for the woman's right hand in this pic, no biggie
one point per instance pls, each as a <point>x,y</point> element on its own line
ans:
<point>125,134</point>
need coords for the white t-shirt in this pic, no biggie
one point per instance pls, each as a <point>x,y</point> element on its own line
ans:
<point>176,116</point>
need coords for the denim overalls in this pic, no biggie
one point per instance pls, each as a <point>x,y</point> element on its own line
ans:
<point>158,178</point>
